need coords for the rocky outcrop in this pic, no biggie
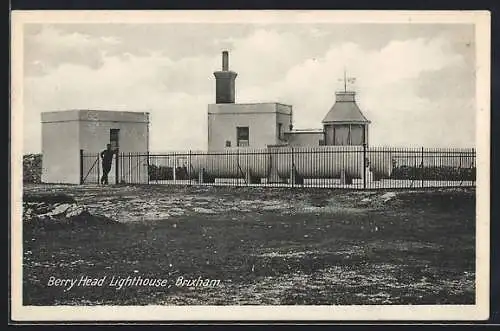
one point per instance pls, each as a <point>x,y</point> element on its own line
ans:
<point>32,168</point>
<point>55,210</point>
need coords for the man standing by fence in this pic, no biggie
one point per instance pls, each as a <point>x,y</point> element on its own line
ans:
<point>107,160</point>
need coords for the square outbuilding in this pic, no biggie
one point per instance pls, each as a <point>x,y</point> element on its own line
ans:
<point>66,134</point>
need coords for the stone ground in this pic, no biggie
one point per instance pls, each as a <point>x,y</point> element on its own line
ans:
<point>272,246</point>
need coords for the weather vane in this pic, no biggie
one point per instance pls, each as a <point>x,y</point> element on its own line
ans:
<point>347,80</point>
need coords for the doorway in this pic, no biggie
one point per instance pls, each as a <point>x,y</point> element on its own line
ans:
<point>114,139</point>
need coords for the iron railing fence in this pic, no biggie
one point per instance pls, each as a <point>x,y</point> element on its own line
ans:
<point>355,167</point>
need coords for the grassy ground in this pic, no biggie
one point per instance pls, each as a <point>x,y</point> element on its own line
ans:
<point>266,246</point>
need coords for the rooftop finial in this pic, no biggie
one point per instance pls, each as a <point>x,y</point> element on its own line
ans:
<point>347,80</point>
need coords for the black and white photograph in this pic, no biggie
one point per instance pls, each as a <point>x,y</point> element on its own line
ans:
<point>250,165</point>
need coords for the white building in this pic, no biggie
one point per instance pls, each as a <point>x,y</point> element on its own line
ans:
<point>66,133</point>
<point>254,125</point>
<point>268,127</point>
<point>260,125</point>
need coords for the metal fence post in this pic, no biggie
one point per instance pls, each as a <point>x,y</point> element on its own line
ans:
<point>364,165</point>
<point>117,172</point>
<point>292,175</point>
<point>474,165</point>
<point>189,167</point>
<point>81,166</point>
<point>422,167</point>
<point>98,170</point>
<point>238,165</point>
<point>147,164</point>
<point>174,167</point>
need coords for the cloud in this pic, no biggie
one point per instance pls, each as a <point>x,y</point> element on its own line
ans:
<point>55,39</point>
<point>412,90</point>
<point>389,91</point>
<point>122,83</point>
<point>48,47</point>
<point>266,56</point>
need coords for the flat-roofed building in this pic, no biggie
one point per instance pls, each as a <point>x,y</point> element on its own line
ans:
<point>66,133</point>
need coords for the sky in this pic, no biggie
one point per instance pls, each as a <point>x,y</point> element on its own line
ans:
<point>414,82</point>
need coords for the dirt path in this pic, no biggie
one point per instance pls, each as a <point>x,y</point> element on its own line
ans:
<point>266,246</point>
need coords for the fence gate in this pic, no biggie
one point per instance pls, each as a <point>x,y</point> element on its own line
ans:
<point>90,168</point>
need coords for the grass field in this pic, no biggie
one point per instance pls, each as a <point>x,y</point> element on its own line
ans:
<point>267,246</point>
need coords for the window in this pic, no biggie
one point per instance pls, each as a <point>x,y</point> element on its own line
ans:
<point>114,138</point>
<point>242,136</point>
<point>228,143</point>
<point>357,134</point>
<point>280,131</point>
<point>341,135</point>
<point>321,142</point>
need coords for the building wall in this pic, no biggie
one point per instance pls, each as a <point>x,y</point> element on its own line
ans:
<point>260,118</point>
<point>60,152</point>
<point>133,138</point>
<point>94,135</point>
<point>284,116</point>
<point>305,138</point>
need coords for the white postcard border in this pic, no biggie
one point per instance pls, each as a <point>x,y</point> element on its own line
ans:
<point>479,311</point>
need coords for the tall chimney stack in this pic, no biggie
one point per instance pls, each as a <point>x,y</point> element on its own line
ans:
<point>225,61</point>
<point>225,82</point>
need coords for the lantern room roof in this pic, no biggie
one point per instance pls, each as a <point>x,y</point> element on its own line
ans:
<point>345,110</point>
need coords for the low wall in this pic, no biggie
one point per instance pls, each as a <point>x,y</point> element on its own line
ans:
<point>32,168</point>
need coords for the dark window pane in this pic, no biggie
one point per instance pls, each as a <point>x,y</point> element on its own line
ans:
<point>357,134</point>
<point>114,138</point>
<point>242,134</point>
